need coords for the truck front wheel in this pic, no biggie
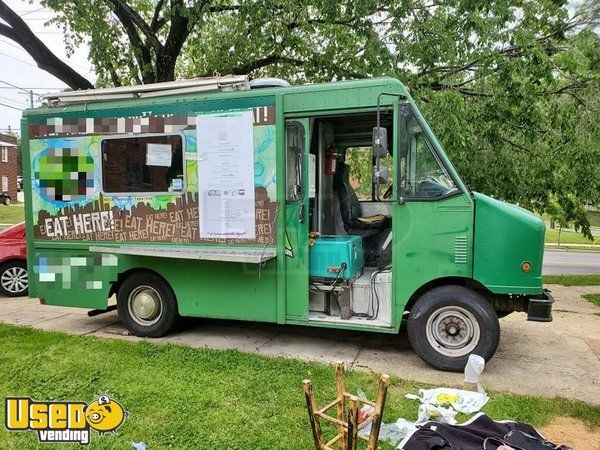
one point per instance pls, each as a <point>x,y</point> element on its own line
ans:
<point>147,305</point>
<point>448,323</point>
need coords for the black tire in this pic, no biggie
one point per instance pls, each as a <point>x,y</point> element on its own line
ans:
<point>448,323</point>
<point>14,280</point>
<point>139,290</point>
<point>6,200</point>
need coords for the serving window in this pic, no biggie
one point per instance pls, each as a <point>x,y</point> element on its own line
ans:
<point>143,164</point>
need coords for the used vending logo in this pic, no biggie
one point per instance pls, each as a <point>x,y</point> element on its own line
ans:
<point>64,421</point>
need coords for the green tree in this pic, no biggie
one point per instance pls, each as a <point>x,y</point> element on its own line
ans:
<point>512,87</point>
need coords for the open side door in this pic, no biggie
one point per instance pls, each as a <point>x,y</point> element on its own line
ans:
<point>297,144</point>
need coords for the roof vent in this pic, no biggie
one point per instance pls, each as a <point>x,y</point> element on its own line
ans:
<point>260,83</point>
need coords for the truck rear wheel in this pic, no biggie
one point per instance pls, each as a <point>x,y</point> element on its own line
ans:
<point>147,305</point>
<point>448,323</point>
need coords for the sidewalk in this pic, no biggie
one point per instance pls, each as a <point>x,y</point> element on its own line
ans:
<point>556,246</point>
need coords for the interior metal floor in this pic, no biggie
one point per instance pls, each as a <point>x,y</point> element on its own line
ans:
<point>362,321</point>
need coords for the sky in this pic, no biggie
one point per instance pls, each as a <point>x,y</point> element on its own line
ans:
<point>19,69</point>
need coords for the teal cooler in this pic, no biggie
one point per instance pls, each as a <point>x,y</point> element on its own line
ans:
<point>329,252</point>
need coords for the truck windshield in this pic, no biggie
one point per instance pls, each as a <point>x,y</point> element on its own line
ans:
<point>422,174</point>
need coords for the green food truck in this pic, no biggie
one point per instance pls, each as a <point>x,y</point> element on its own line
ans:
<point>327,205</point>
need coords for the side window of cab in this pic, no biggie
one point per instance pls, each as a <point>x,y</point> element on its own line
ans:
<point>422,174</point>
<point>295,156</point>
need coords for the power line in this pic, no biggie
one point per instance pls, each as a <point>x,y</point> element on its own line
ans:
<point>13,101</point>
<point>30,92</point>
<point>11,85</point>
<point>34,88</point>
<point>13,107</point>
<point>12,45</point>
<point>87,69</point>
<point>25,13</point>
<point>17,59</point>
<point>39,18</point>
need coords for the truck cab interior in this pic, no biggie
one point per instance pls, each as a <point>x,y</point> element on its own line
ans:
<point>349,219</point>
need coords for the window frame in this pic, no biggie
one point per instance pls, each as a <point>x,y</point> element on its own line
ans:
<point>373,198</point>
<point>4,154</point>
<point>436,155</point>
<point>145,193</point>
<point>304,168</point>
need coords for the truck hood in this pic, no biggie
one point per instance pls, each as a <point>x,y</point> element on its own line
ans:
<point>506,236</point>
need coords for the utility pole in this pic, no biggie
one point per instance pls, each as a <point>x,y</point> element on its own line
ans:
<point>22,91</point>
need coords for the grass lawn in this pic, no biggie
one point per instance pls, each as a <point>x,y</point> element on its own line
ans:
<point>179,397</point>
<point>566,237</point>
<point>12,214</point>
<point>594,298</point>
<point>573,280</point>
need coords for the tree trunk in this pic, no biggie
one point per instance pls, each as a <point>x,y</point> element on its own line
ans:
<point>18,31</point>
<point>166,57</point>
<point>165,67</point>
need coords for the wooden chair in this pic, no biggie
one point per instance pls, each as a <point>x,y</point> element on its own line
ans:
<point>346,418</point>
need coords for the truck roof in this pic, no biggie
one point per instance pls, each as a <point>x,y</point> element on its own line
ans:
<point>199,90</point>
<point>189,86</point>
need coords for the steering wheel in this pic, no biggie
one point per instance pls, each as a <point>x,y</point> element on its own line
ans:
<point>388,192</point>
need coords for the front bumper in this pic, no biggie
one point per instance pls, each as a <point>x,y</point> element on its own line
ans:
<point>540,307</point>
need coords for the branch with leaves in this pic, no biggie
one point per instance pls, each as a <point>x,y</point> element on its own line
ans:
<point>519,66</point>
<point>17,30</point>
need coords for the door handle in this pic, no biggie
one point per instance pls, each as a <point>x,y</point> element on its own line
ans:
<point>301,213</point>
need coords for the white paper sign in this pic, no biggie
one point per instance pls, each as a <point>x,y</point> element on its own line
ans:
<point>226,175</point>
<point>158,155</point>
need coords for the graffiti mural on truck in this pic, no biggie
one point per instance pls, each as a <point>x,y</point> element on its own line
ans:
<point>69,203</point>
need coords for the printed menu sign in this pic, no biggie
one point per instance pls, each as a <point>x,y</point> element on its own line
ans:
<point>158,155</point>
<point>226,175</point>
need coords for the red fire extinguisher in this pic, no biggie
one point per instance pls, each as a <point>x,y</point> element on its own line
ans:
<point>330,160</point>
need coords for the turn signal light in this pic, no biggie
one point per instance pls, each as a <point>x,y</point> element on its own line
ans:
<point>526,267</point>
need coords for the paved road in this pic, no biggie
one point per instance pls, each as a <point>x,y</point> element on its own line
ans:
<point>570,262</point>
<point>561,358</point>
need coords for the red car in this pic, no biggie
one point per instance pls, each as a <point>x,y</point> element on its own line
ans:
<point>13,261</point>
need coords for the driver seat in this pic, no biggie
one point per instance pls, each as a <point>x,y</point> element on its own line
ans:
<point>354,222</point>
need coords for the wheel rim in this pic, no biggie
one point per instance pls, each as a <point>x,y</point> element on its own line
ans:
<point>453,331</point>
<point>14,280</point>
<point>145,305</point>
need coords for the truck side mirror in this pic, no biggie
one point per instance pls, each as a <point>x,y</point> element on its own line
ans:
<point>380,174</point>
<point>380,142</point>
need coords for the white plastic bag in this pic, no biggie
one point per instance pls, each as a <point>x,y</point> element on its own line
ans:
<point>396,431</point>
<point>440,414</point>
<point>467,402</point>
